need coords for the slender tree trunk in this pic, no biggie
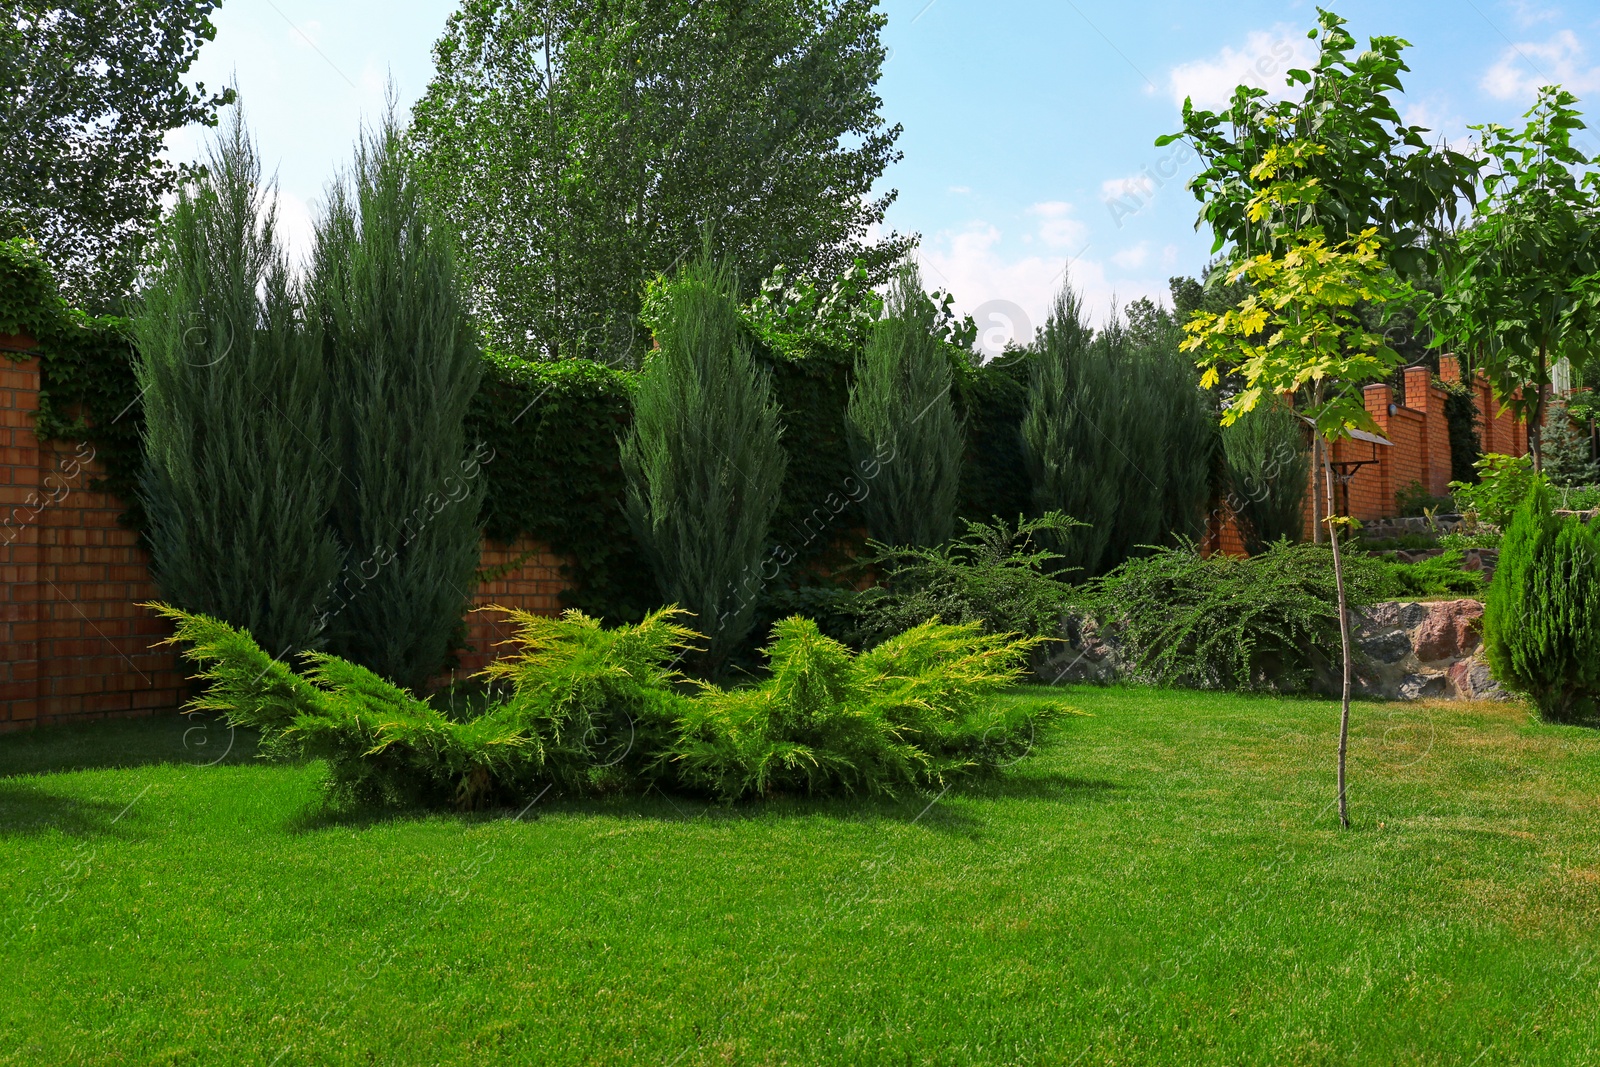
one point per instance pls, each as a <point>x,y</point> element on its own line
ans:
<point>1344,639</point>
<point>1316,499</point>
<point>1536,420</point>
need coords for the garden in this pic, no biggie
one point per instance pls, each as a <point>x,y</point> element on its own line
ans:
<point>903,702</point>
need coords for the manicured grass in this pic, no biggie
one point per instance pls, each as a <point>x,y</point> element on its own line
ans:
<point>1162,883</point>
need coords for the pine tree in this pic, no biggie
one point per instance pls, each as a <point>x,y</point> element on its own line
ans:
<point>1568,462</point>
<point>703,462</point>
<point>902,425</point>
<point>1542,612</point>
<point>1117,433</point>
<point>403,365</point>
<point>237,482</point>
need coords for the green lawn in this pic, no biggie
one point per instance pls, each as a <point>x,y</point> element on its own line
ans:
<point>1162,883</point>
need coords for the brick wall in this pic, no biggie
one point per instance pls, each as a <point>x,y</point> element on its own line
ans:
<point>1418,451</point>
<point>74,642</point>
<point>522,574</point>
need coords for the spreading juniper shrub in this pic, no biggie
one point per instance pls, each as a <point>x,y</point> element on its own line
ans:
<point>1228,622</point>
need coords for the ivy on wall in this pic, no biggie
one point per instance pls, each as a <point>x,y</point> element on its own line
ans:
<point>554,473</point>
<point>87,390</point>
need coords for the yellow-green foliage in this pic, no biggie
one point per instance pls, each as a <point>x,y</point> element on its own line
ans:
<point>912,711</point>
<point>588,708</point>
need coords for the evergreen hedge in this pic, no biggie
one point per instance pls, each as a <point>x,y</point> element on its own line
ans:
<point>1542,613</point>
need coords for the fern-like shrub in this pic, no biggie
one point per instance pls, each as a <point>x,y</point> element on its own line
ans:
<point>575,691</point>
<point>1542,615</point>
<point>995,575</point>
<point>1229,622</point>
<point>591,709</point>
<point>913,711</point>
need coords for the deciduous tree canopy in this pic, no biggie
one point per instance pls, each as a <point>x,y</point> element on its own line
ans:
<point>581,147</point>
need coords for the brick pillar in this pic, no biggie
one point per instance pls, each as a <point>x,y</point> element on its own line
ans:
<point>1449,369</point>
<point>20,503</point>
<point>1428,399</point>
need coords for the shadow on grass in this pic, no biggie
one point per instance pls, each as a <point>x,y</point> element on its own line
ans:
<point>930,808</point>
<point>165,738</point>
<point>29,809</point>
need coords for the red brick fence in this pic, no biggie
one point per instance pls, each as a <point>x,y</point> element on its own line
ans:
<point>74,642</point>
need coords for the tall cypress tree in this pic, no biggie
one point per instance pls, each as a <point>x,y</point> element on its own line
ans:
<point>703,462</point>
<point>238,480</point>
<point>901,422</point>
<point>1072,467</point>
<point>403,364</point>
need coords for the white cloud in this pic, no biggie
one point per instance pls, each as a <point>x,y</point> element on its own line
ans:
<point>1130,258</point>
<point>1523,68</point>
<point>1528,13</point>
<point>1261,63</point>
<point>960,190</point>
<point>971,265</point>
<point>1057,227</point>
<point>1139,186</point>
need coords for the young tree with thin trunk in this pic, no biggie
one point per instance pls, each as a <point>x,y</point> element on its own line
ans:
<point>1306,301</point>
<point>1327,198</point>
<point>1522,282</point>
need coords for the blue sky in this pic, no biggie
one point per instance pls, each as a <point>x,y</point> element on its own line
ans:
<point>1028,123</point>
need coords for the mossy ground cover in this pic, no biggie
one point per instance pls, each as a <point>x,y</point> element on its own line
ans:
<point>1162,882</point>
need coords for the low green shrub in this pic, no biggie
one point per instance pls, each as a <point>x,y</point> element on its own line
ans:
<point>913,711</point>
<point>1503,484</point>
<point>1542,614</point>
<point>1414,500</point>
<point>591,709</point>
<point>1436,576</point>
<point>994,575</point>
<point>1230,622</point>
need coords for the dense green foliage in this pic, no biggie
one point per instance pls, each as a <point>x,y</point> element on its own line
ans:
<point>1542,615</point>
<point>992,401</point>
<point>1461,416</point>
<point>901,419</point>
<point>1223,621</point>
<point>1117,435</point>
<point>239,478</point>
<point>580,148</point>
<point>995,575</point>
<point>87,391</point>
<point>1435,576</point>
<point>591,709</point>
<point>1269,469</point>
<point>1568,459</point>
<point>88,93</point>
<point>1501,485</point>
<point>549,433</point>
<point>703,460</point>
<point>1522,282</point>
<point>402,364</point>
